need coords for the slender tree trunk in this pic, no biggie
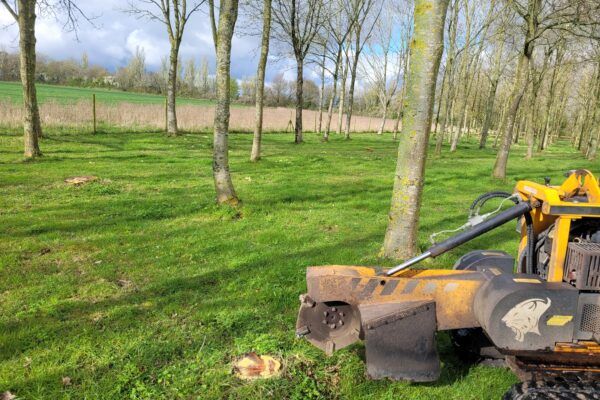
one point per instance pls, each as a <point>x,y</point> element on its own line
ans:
<point>342,104</point>
<point>439,107</point>
<point>425,54</point>
<point>449,75</point>
<point>223,183</point>
<point>351,95</point>
<point>400,110</point>
<point>299,99</point>
<point>594,134</point>
<point>32,126</point>
<point>532,118</point>
<point>322,93</point>
<point>260,81</point>
<point>489,110</point>
<point>333,94</point>
<point>172,90</point>
<point>383,118</point>
<point>520,85</point>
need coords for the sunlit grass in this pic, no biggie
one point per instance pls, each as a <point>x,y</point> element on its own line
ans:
<point>138,286</point>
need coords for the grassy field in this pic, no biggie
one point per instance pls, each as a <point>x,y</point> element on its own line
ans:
<point>137,286</point>
<point>71,94</point>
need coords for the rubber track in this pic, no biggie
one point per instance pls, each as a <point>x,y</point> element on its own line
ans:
<point>554,390</point>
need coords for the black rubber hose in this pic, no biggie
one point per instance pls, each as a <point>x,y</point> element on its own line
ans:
<point>479,229</point>
<point>487,196</point>
<point>482,199</point>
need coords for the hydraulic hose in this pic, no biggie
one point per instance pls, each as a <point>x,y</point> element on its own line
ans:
<point>463,237</point>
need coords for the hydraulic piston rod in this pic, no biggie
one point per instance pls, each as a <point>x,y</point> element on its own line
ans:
<point>463,237</point>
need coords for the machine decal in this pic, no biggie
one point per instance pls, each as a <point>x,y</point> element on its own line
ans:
<point>559,320</point>
<point>525,317</point>
<point>527,280</point>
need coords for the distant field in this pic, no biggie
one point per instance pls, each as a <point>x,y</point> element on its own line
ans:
<point>70,94</point>
<point>68,106</point>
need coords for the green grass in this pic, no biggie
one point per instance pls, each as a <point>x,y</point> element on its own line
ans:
<point>71,94</point>
<point>137,286</point>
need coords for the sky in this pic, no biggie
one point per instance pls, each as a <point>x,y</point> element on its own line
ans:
<point>114,36</point>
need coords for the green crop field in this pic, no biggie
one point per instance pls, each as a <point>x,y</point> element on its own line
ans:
<point>138,286</point>
<point>71,94</point>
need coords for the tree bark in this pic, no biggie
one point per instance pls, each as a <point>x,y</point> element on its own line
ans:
<point>489,110</point>
<point>449,75</point>
<point>520,85</point>
<point>350,110</point>
<point>425,54</point>
<point>322,92</point>
<point>336,72</point>
<point>260,81</point>
<point>172,90</point>
<point>342,103</point>
<point>299,100</point>
<point>383,118</point>
<point>223,183</point>
<point>32,126</point>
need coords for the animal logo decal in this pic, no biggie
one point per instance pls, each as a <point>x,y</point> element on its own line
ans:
<point>525,317</point>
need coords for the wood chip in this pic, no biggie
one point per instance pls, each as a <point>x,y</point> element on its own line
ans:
<point>253,366</point>
<point>80,180</point>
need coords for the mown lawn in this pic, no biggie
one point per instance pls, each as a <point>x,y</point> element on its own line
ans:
<point>137,286</point>
<point>71,94</point>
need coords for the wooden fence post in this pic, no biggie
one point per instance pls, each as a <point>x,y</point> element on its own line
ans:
<point>166,116</point>
<point>94,110</point>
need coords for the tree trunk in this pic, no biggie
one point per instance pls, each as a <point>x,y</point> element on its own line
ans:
<point>383,118</point>
<point>32,126</point>
<point>260,81</point>
<point>351,96</point>
<point>449,76</point>
<point>333,94</point>
<point>299,99</point>
<point>322,93</point>
<point>425,53</point>
<point>342,99</point>
<point>353,73</point>
<point>172,90</point>
<point>223,184</point>
<point>520,85</point>
<point>489,110</point>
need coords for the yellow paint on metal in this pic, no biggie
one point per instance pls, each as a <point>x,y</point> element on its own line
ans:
<point>560,241</point>
<point>527,280</point>
<point>559,320</point>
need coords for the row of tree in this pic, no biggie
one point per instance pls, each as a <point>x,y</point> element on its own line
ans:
<point>523,69</point>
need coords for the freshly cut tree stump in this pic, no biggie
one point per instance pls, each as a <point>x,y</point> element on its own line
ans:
<point>253,366</point>
<point>80,180</point>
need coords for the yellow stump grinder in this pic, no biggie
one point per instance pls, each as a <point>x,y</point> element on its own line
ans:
<point>539,312</point>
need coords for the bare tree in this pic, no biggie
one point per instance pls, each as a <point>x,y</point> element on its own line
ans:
<point>382,66</point>
<point>228,12</point>
<point>24,13</point>
<point>297,23</point>
<point>425,54</point>
<point>174,15</point>
<point>539,18</point>
<point>449,75</point>
<point>260,80</point>
<point>365,14</point>
<point>340,25</point>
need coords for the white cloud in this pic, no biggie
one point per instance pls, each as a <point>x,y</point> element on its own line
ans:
<point>154,48</point>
